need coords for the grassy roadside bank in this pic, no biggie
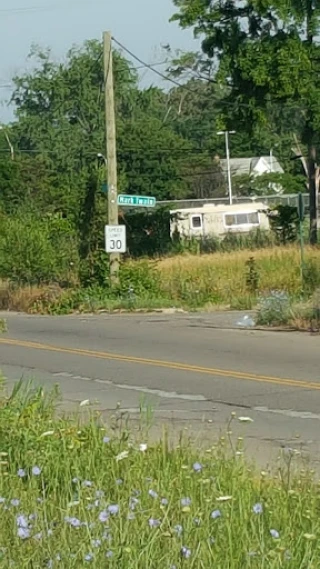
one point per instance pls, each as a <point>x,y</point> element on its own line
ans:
<point>76,494</point>
<point>236,280</point>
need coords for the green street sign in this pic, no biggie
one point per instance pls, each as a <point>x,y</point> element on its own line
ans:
<point>104,187</point>
<point>136,201</point>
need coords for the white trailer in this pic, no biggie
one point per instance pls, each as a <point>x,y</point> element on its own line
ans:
<point>219,220</point>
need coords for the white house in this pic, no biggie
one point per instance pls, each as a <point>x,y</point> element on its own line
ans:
<point>219,220</point>
<point>252,166</point>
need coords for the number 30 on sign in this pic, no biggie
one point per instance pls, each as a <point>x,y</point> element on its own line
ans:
<point>115,238</point>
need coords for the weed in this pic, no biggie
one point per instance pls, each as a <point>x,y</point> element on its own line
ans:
<point>77,493</point>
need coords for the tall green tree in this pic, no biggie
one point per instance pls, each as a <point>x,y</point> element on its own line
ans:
<point>267,53</point>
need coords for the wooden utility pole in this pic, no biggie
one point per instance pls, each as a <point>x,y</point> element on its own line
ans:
<point>111,153</point>
<point>313,193</point>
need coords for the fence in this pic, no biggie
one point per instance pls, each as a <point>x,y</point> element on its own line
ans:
<point>283,199</point>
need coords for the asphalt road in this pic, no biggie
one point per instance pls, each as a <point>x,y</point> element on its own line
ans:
<point>193,370</point>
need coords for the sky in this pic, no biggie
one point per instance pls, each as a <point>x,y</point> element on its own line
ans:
<point>140,25</point>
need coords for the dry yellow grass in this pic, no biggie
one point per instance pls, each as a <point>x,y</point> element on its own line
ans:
<point>221,277</point>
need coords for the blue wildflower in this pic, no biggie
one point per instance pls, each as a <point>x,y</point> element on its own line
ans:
<point>164,501</point>
<point>215,514</point>
<point>21,473</point>
<point>88,557</point>
<point>104,516</point>
<point>119,481</point>
<point>87,483</point>
<point>133,502</point>
<point>106,440</point>
<point>153,523</point>
<point>197,467</point>
<point>185,502</point>
<point>257,509</point>
<point>74,522</point>
<point>274,533</point>
<point>153,494</point>
<point>36,471</point>
<point>23,533</point>
<point>178,529</point>
<point>185,552</point>
<point>113,509</point>
<point>109,554</point>
<point>15,502</point>
<point>22,521</point>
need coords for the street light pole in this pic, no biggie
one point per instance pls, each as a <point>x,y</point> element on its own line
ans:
<point>8,141</point>
<point>226,134</point>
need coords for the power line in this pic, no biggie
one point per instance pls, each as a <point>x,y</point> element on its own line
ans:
<point>148,66</point>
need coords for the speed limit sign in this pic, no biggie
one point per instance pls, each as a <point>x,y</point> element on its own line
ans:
<point>115,238</point>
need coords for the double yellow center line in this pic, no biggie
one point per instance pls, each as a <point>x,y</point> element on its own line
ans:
<point>216,372</point>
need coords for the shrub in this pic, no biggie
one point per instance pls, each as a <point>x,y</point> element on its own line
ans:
<point>35,251</point>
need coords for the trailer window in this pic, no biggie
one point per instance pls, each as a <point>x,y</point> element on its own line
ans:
<point>196,221</point>
<point>235,219</point>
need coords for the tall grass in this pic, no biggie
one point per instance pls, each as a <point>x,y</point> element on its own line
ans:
<point>76,494</point>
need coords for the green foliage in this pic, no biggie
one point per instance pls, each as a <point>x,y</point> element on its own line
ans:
<point>274,309</point>
<point>284,220</point>
<point>252,276</point>
<point>120,507</point>
<point>34,250</point>
<point>148,233</point>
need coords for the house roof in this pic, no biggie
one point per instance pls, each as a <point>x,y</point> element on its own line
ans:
<point>242,166</point>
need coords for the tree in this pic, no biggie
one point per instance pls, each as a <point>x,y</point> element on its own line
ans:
<point>267,54</point>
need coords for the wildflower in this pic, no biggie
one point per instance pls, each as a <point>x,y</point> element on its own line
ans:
<point>274,533</point>
<point>197,467</point>
<point>32,517</point>
<point>21,473</point>
<point>186,502</point>
<point>87,484</point>
<point>178,529</point>
<point>133,502</point>
<point>143,447</point>
<point>50,564</point>
<point>88,557</point>
<point>49,532</point>
<point>103,516</point>
<point>257,509</point>
<point>109,554</point>
<point>106,440</point>
<point>113,509</point>
<point>185,552</point>
<point>153,523</point>
<point>74,522</point>
<point>164,502</point>
<point>15,502</point>
<point>119,481</point>
<point>99,494</point>
<point>2,500</point>
<point>96,543</point>
<point>38,536</point>
<point>153,494</point>
<point>75,480</point>
<point>22,521</point>
<point>215,514</point>
<point>36,471</point>
<point>23,533</point>
<point>124,454</point>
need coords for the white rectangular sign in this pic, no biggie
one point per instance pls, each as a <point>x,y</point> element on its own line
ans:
<point>115,238</point>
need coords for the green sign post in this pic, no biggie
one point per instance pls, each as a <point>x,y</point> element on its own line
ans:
<point>136,201</point>
<point>301,213</point>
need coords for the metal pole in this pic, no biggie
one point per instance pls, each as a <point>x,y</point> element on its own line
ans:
<point>228,166</point>
<point>8,141</point>
<point>111,154</point>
